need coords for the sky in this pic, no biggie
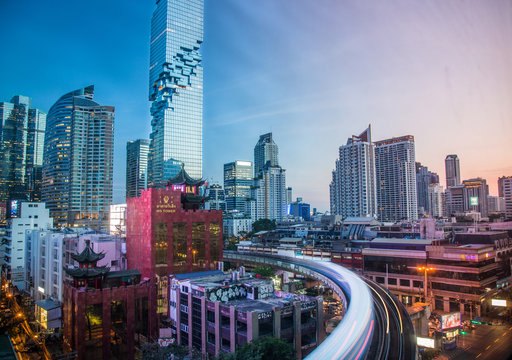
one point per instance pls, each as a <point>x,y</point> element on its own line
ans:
<point>311,72</point>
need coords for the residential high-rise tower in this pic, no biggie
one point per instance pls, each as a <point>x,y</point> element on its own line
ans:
<point>176,90</point>
<point>352,189</point>
<point>78,160</point>
<point>395,167</point>
<point>136,166</point>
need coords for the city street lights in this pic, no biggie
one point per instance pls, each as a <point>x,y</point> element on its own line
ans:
<point>425,285</point>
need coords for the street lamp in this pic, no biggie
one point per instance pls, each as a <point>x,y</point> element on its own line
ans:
<point>425,285</point>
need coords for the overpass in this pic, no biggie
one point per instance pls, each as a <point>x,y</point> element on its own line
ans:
<point>375,324</point>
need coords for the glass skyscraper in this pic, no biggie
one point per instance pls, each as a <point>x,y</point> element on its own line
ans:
<point>452,166</point>
<point>136,167</point>
<point>176,89</point>
<point>78,160</point>
<point>237,184</point>
<point>21,151</point>
<point>265,151</point>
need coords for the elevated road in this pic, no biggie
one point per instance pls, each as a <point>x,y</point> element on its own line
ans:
<point>374,326</point>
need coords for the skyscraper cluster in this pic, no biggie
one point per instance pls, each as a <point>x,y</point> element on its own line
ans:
<point>260,193</point>
<point>22,131</point>
<point>375,179</point>
<point>383,179</point>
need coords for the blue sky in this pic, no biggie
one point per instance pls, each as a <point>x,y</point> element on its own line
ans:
<point>312,72</point>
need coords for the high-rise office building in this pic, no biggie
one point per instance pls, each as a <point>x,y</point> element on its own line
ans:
<point>452,168</point>
<point>395,167</point>
<point>176,90</point>
<point>352,189</point>
<point>422,182</point>
<point>237,184</point>
<point>289,195</point>
<point>475,196</point>
<point>501,185</point>
<point>21,151</point>
<point>136,167</point>
<point>78,160</point>
<point>265,151</point>
<point>216,198</point>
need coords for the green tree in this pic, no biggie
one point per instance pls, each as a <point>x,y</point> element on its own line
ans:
<point>180,352</point>
<point>263,225</point>
<point>264,271</point>
<point>264,348</point>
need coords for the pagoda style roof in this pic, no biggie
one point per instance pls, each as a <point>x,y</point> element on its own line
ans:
<point>87,273</point>
<point>87,255</point>
<point>182,178</point>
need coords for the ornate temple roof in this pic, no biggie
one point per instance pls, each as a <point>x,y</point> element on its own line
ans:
<point>87,255</point>
<point>87,273</point>
<point>182,178</point>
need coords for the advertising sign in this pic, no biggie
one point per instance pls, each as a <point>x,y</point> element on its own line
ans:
<point>498,302</point>
<point>426,342</point>
<point>15,208</point>
<point>450,321</point>
<point>473,201</point>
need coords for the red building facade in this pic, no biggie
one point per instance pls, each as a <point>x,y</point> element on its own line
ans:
<point>162,238</point>
<point>166,234</point>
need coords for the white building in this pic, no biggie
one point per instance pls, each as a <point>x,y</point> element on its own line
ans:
<point>436,200</point>
<point>272,194</point>
<point>44,264</point>
<point>505,184</point>
<point>33,216</point>
<point>352,189</point>
<point>118,219</point>
<point>395,166</point>
<point>233,226</point>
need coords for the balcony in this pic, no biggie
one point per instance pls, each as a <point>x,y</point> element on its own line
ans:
<point>225,332</point>
<point>210,326</point>
<point>210,348</point>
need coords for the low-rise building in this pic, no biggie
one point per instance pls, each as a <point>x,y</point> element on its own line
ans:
<point>48,314</point>
<point>236,225</point>
<point>457,278</point>
<point>33,216</point>
<point>106,314</point>
<point>216,312</point>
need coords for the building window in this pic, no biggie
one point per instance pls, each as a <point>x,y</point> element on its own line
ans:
<point>160,245</point>
<point>405,282</point>
<point>179,255</point>
<point>392,281</point>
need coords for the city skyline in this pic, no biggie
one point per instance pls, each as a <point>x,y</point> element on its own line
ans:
<point>453,56</point>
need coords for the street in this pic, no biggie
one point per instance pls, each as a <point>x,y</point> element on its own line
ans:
<point>485,342</point>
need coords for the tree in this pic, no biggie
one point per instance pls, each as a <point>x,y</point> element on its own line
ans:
<point>173,351</point>
<point>264,271</point>
<point>264,348</point>
<point>263,225</point>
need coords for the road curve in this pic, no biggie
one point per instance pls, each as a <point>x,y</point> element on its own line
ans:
<point>374,326</point>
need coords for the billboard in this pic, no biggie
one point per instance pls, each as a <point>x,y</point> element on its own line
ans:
<point>498,302</point>
<point>426,342</point>
<point>473,200</point>
<point>15,208</point>
<point>450,321</point>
